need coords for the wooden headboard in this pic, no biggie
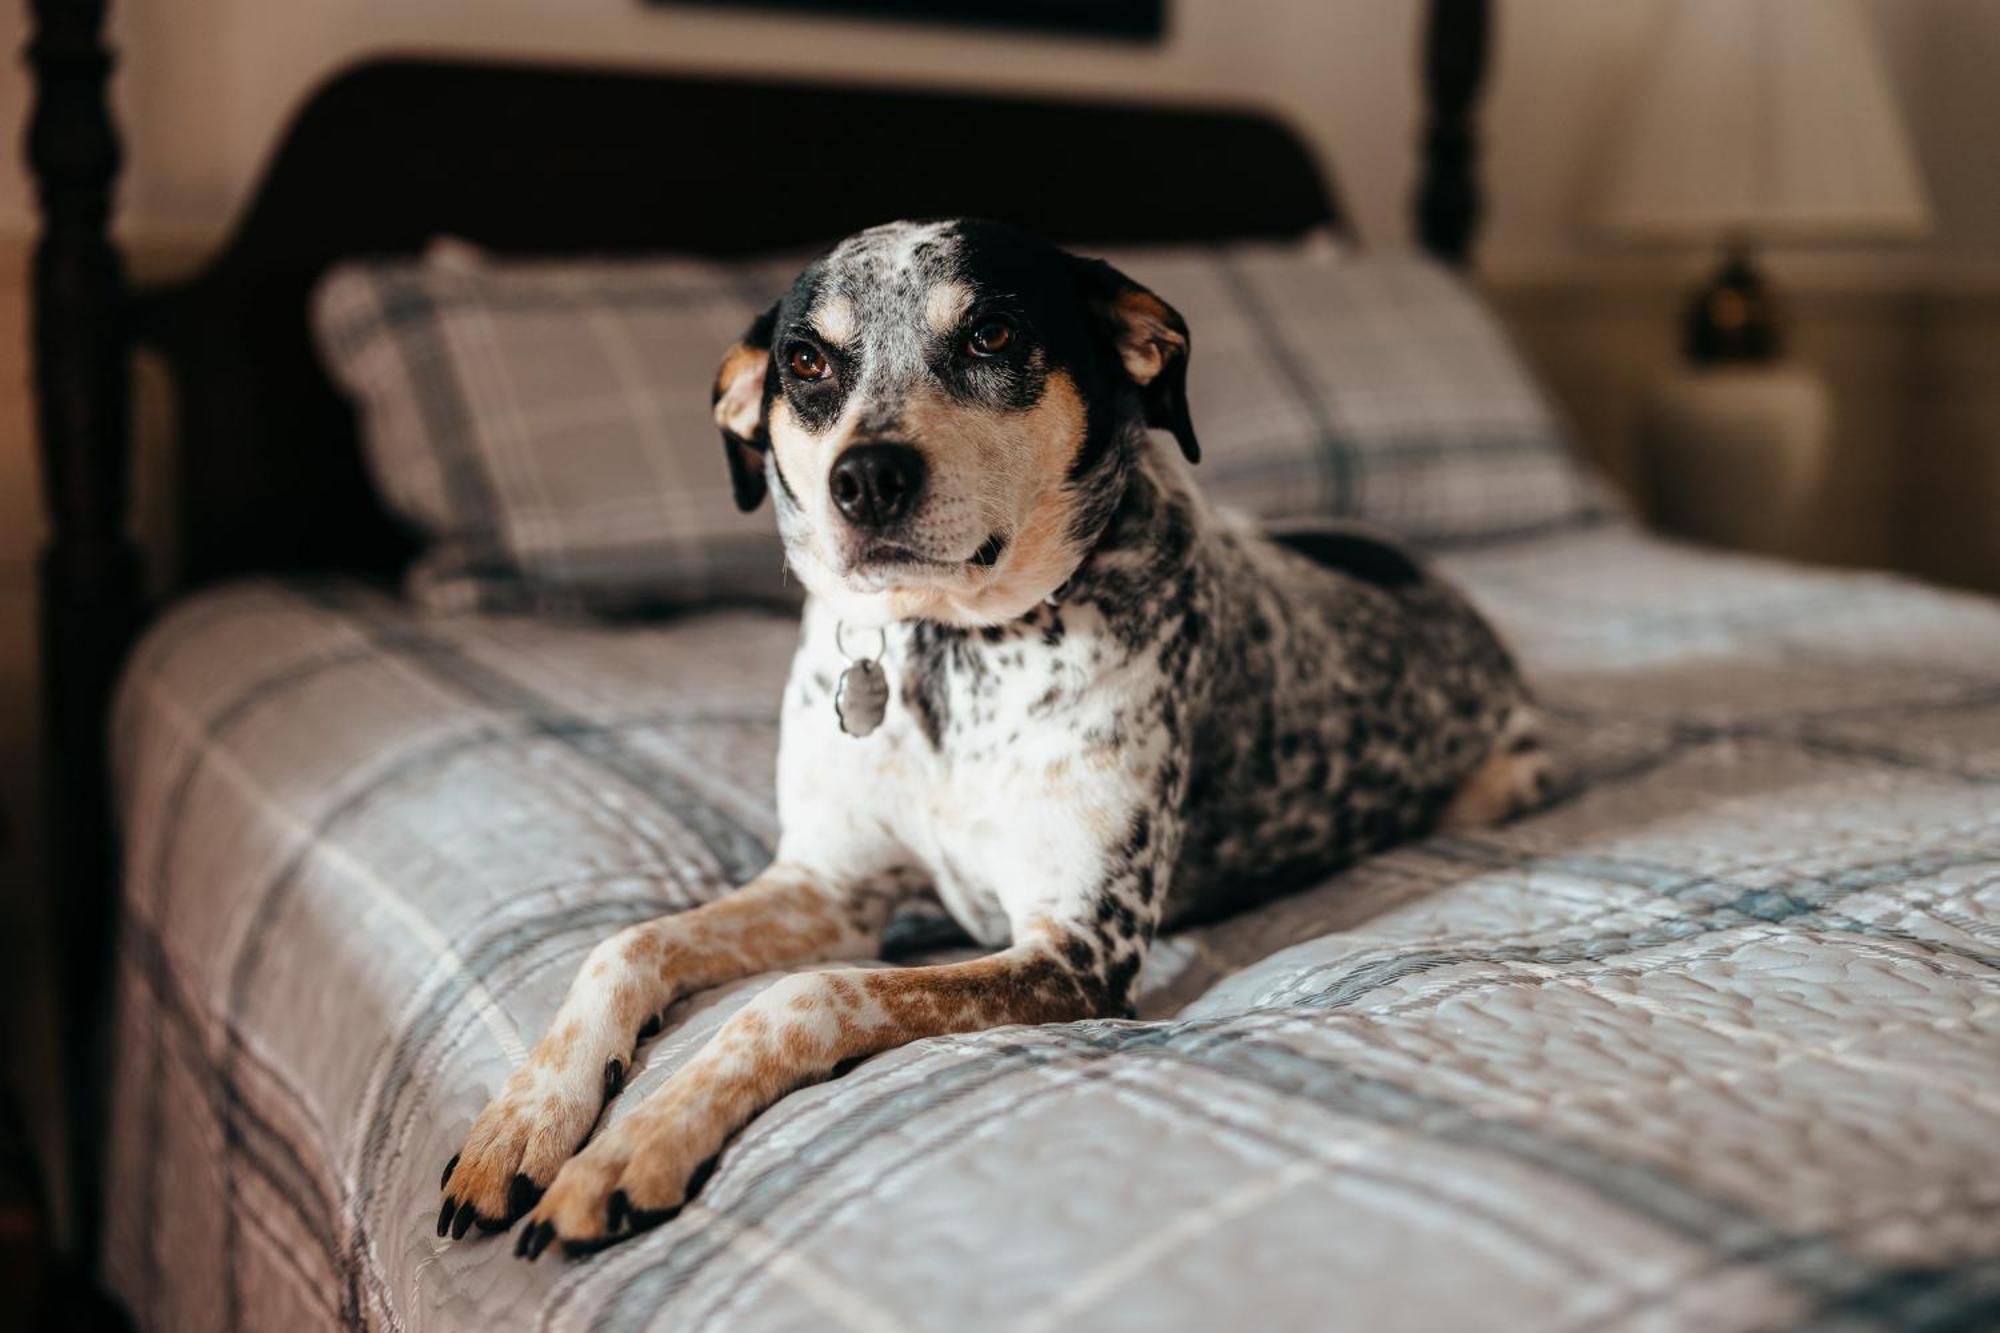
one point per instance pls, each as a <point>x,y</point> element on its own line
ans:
<point>531,160</point>
<point>539,160</point>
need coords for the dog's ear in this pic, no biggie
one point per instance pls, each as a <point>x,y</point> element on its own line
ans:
<point>1151,340</point>
<point>739,409</point>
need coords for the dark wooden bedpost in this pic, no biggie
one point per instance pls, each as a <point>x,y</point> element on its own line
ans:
<point>89,570</point>
<point>1448,200</point>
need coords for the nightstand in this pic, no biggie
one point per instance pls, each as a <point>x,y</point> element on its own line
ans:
<point>1737,455</point>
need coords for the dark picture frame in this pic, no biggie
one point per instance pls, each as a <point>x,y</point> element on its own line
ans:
<point>1131,20</point>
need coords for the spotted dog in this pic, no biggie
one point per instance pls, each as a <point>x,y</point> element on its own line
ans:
<point>1109,709</point>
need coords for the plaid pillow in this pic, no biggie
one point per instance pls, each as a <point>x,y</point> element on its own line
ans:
<point>547,423</point>
<point>1372,387</point>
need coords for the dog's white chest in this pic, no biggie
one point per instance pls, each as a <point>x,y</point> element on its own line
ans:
<point>992,810</point>
<point>984,777</point>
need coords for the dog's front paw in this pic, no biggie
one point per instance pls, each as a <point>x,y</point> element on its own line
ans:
<point>520,1142</point>
<point>637,1174</point>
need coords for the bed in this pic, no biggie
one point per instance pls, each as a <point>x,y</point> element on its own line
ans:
<point>1713,1042</point>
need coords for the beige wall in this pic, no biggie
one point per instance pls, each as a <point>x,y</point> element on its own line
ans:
<point>207,84</point>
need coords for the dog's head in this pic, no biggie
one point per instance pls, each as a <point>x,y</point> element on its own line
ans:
<point>947,411</point>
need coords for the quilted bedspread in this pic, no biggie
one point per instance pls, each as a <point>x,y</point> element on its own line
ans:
<point>1714,1042</point>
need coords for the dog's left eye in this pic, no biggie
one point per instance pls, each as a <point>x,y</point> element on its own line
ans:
<point>808,362</point>
<point>990,338</point>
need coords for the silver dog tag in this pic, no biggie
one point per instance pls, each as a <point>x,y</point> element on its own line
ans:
<point>862,697</point>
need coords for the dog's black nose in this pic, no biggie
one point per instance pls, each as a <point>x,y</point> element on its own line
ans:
<point>876,484</point>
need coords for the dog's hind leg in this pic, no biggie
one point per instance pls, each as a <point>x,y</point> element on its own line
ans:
<point>640,1171</point>
<point>1516,776</point>
<point>784,917</point>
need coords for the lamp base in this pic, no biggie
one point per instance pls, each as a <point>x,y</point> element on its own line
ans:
<point>1739,455</point>
<point>1733,318</point>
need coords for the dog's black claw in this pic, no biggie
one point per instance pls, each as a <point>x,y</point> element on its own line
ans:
<point>444,1216</point>
<point>463,1222</point>
<point>614,1078</point>
<point>699,1178</point>
<point>449,1167</point>
<point>577,1249</point>
<point>535,1239</point>
<point>522,1195</point>
<point>650,1028</point>
<point>616,1209</point>
<point>521,1241</point>
<point>645,1219</point>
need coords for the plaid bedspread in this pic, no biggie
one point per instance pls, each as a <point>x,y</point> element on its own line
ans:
<point>1713,1043</point>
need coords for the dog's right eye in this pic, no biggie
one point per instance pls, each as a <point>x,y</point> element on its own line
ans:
<point>807,362</point>
<point>992,337</point>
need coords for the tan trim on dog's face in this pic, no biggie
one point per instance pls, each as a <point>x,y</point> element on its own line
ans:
<point>1022,460</point>
<point>945,306</point>
<point>833,319</point>
<point>991,472</point>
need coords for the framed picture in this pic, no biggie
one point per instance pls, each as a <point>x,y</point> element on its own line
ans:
<point>1140,20</point>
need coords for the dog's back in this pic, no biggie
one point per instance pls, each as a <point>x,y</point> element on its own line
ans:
<point>1340,695</point>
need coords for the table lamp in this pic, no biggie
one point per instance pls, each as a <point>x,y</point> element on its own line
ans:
<point>1760,122</point>
<point>1753,123</point>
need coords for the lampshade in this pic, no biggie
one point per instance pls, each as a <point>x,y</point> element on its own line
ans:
<point>1763,119</point>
